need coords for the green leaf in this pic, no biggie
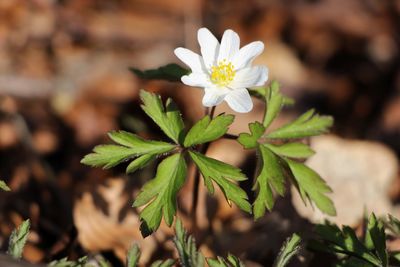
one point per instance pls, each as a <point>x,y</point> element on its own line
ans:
<point>376,233</point>
<point>140,163</point>
<point>168,119</point>
<point>393,224</point>
<point>220,172</point>
<point>133,256</point>
<point>4,186</point>
<point>18,239</point>
<point>274,102</point>
<point>81,262</point>
<point>395,257</point>
<point>231,261</point>
<point>292,150</point>
<point>130,146</point>
<point>271,176</point>
<point>311,185</point>
<point>160,194</point>
<point>262,92</point>
<point>171,72</point>
<point>206,130</point>
<point>333,240</point>
<point>108,156</point>
<point>251,140</point>
<point>166,263</point>
<point>308,124</point>
<point>186,246</point>
<point>289,249</point>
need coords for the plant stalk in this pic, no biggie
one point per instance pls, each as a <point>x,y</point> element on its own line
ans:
<point>196,181</point>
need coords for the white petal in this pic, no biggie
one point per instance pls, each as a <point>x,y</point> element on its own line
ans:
<point>247,54</point>
<point>239,100</point>
<point>229,46</point>
<point>190,58</point>
<point>213,96</point>
<point>249,77</point>
<point>196,79</point>
<point>209,46</point>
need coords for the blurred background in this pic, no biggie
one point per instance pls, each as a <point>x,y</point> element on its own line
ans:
<point>65,82</point>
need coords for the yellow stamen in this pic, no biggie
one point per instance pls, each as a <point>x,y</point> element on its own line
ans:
<point>222,74</point>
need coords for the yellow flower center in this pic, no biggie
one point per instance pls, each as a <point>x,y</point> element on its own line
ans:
<point>222,74</point>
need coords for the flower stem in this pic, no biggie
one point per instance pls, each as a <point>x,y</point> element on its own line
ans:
<point>196,183</point>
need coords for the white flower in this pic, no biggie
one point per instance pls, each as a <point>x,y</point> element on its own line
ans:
<point>223,70</point>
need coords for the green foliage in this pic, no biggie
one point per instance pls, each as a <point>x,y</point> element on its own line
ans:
<point>221,173</point>
<point>133,256</point>
<point>289,249</point>
<point>171,72</point>
<point>186,246</point>
<point>140,162</point>
<point>375,239</point>
<point>308,124</point>
<point>160,194</point>
<point>274,101</point>
<point>230,261</point>
<point>81,262</point>
<point>268,93</point>
<point>393,224</point>
<point>271,176</point>
<point>207,129</point>
<point>168,118</point>
<point>251,140</point>
<point>129,146</point>
<point>18,239</point>
<point>354,252</point>
<point>275,160</point>
<point>312,187</point>
<point>291,150</point>
<point>166,263</point>
<point>4,186</point>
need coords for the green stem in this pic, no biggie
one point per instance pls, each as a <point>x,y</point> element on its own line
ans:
<point>196,183</point>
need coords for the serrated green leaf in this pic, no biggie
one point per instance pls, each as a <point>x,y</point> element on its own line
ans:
<point>249,141</point>
<point>108,156</point>
<point>4,186</point>
<point>220,172</point>
<point>189,256</point>
<point>289,249</point>
<point>231,261</point>
<point>130,146</point>
<point>312,186</point>
<point>140,163</point>
<point>308,124</point>
<point>18,239</point>
<point>140,145</point>
<point>206,130</point>
<point>170,72</point>
<point>270,176</point>
<point>376,233</point>
<point>133,256</point>
<point>160,194</point>
<point>166,263</point>
<point>292,150</point>
<point>168,119</point>
<point>274,102</point>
